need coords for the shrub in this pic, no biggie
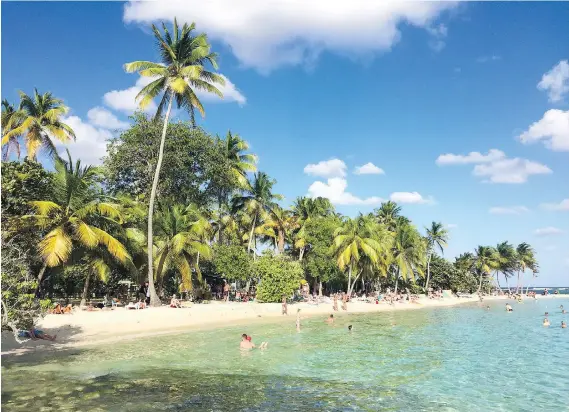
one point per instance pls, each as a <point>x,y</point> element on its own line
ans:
<point>279,276</point>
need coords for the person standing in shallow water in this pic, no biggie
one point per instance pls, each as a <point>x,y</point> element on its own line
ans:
<point>335,306</point>
<point>284,306</point>
<point>344,301</point>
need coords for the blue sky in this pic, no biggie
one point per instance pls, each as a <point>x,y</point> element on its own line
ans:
<point>396,85</point>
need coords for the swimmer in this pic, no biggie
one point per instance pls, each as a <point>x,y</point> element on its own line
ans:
<point>563,324</point>
<point>330,319</point>
<point>349,328</point>
<point>509,308</point>
<point>546,322</point>
<point>248,345</point>
<point>546,314</point>
<point>487,307</point>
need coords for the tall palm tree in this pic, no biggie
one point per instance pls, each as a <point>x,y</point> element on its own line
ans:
<point>180,73</point>
<point>304,210</point>
<point>11,119</point>
<point>359,243</point>
<point>485,260</point>
<point>437,237</point>
<point>40,122</point>
<point>525,260</point>
<point>257,200</point>
<point>180,242</point>
<point>465,262</point>
<point>76,218</point>
<point>240,162</point>
<point>506,260</point>
<point>408,252</point>
<point>387,214</point>
<point>278,225</point>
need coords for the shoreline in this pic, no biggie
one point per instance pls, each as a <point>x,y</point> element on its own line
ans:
<point>82,329</point>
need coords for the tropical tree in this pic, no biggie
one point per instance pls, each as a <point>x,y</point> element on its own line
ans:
<point>484,261</point>
<point>11,119</point>
<point>257,200</point>
<point>240,162</point>
<point>506,260</point>
<point>525,260</point>
<point>465,261</point>
<point>278,225</point>
<point>437,237</point>
<point>180,243</point>
<point>180,73</point>
<point>304,210</point>
<point>359,244</point>
<point>39,120</point>
<point>387,214</point>
<point>77,217</point>
<point>408,252</point>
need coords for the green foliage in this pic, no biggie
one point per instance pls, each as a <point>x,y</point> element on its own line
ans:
<point>319,261</point>
<point>232,262</point>
<point>279,276</point>
<point>445,275</point>
<point>194,169</point>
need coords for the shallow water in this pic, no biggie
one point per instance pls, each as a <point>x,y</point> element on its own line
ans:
<point>463,358</point>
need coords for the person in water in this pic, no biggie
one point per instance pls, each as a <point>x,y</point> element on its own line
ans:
<point>349,328</point>
<point>335,306</point>
<point>330,319</point>
<point>509,308</point>
<point>247,344</point>
<point>487,307</point>
<point>563,324</point>
<point>546,314</point>
<point>546,322</point>
<point>562,309</point>
<point>284,306</point>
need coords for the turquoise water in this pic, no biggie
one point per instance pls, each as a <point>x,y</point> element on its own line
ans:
<point>447,359</point>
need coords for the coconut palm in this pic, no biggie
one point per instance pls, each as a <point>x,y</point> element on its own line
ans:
<point>257,200</point>
<point>76,218</point>
<point>304,210</point>
<point>506,260</point>
<point>39,120</point>
<point>408,252</point>
<point>525,260</point>
<point>278,225</point>
<point>485,260</point>
<point>465,262</point>
<point>240,162</point>
<point>359,243</point>
<point>180,73</point>
<point>437,237</point>
<point>11,119</point>
<point>387,214</point>
<point>180,242</point>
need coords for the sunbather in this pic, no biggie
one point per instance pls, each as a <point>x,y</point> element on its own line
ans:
<point>175,303</point>
<point>35,334</point>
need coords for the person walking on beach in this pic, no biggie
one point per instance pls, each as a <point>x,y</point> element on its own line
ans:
<point>284,306</point>
<point>335,306</point>
<point>344,301</point>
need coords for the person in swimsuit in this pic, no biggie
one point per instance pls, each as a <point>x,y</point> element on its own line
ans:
<point>335,306</point>
<point>330,319</point>
<point>349,328</point>
<point>247,344</point>
<point>546,322</point>
<point>563,324</point>
<point>284,306</point>
<point>509,308</point>
<point>344,301</point>
<point>35,334</point>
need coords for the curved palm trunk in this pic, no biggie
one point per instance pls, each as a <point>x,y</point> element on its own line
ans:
<point>251,235</point>
<point>508,285</point>
<point>40,278</point>
<point>397,280</point>
<point>498,280</point>
<point>85,290</point>
<point>281,242</point>
<point>154,301</point>
<point>320,289</point>
<point>349,279</point>
<point>480,284</point>
<point>428,272</point>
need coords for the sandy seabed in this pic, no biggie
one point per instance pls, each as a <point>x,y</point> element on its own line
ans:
<point>84,328</point>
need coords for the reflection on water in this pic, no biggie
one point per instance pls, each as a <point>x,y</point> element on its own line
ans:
<point>448,359</point>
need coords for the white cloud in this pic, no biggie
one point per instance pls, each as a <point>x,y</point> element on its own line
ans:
<point>91,143</point>
<point>472,157</point>
<point>335,190</point>
<point>486,59</point>
<point>553,129</point>
<point>508,210</point>
<point>410,197</point>
<point>368,169</point>
<point>272,33</point>
<point>561,206</point>
<point>438,33</point>
<point>229,91</point>
<point>556,81</point>
<point>125,100</point>
<point>101,117</point>
<point>327,168</point>
<point>451,225</point>
<point>510,170</point>
<point>548,231</point>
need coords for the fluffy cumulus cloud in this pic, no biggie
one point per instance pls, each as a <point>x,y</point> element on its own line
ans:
<point>552,129</point>
<point>101,117</point>
<point>548,231</point>
<point>272,33</point>
<point>125,100</point>
<point>556,81</point>
<point>91,142</point>
<point>327,168</point>
<point>562,206</point>
<point>495,167</point>
<point>410,198</point>
<point>335,190</point>
<point>508,210</point>
<point>368,169</point>
<point>472,157</point>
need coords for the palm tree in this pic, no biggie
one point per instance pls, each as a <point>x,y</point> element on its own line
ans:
<point>76,218</point>
<point>257,200</point>
<point>11,119</point>
<point>180,73</point>
<point>180,242</point>
<point>506,259</point>
<point>437,236</point>
<point>465,262</point>
<point>485,260</point>
<point>278,225</point>
<point>525,259</point>
<point>387,214</point>
<point>40,118</point>
<point>359,243</point>
<point>304,210</point>
<point>408,252</point>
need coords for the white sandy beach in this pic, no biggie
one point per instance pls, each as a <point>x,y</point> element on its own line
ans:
<point>87,328</point>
